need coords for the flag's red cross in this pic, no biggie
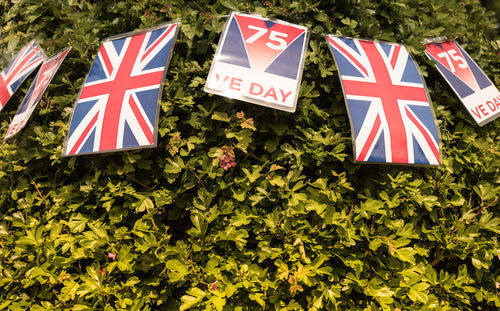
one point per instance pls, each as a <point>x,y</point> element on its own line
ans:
<point>123,82</point>
<point>18,67</point>
<point>389,94</point>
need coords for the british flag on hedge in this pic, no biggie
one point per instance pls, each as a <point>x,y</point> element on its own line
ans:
<point>19,68</point>
<point>117,108</point>
<point>388,105</point>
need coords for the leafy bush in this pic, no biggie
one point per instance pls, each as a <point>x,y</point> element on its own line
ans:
<point>295,225</point>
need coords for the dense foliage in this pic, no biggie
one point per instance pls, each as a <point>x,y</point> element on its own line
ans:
<point>242,207</point>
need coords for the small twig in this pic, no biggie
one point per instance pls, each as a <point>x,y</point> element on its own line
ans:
<point>196,175</point>
<point>350,212</point>
<point>140,183</point>
<point>486,207</point>
<point>251,155</point>
<point>153,221</point>
<point>438,254</point>
<point>34,183</point>
<point>67,78</point>
<point>199,7</point>
<point>479,209</point>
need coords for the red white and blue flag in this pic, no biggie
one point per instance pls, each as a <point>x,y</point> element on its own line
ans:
<point>479,95</point>
<point>118,104</point>
<point>259,61</point>
<point>19,68</point>
<point>35,92</point>
<point>389,108</point>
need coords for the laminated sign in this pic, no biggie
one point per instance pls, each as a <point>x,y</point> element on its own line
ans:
<point>387,101</point>
<point>259,61</point>
<point>117,108</point>
<point>35,92</point>
<point>18,69</point>
<point>479,95</point>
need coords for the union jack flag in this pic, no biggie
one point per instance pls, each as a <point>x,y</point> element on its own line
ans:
<point>20,67</point>
<point>391,118</point>
<point>117,107</point>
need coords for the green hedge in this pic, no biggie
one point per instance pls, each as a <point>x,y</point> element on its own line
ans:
<point>296,225</point>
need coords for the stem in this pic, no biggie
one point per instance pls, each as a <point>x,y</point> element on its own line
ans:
<point>439,254</point>
<point>199,7</point>
<point>34,183</point>
<point>252,155</point>
<point>196,175</point>
<point>137,181</point>
<point>67,78</point>
<point>350,212</point>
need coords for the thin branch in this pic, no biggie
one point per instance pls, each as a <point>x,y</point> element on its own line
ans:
<point>196,175</point>
<point>438,254</point>
<point>153,220</point>
<point>67,78</point>
<point>486,207</point>
<point>251,155</point>
<point>137,181</point>
<point>34,183</point>
<point>479,209</point>
<point>199,7</point>
<point>350,212</point>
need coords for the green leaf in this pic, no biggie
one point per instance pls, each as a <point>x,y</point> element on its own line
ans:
<point>406,254</point>
<point>146,205</point>
<point>252,176</point>
<point>193,297</point>
<point>220,116</point>
<point>218,302</point>
<point>176,270</point>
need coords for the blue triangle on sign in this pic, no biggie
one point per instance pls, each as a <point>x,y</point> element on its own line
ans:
<point>386,48</point>
<point>358,110</point>
<point>287,63</point>
<point>411,74</point>
<point>481,79</point>
<point>89,144</point>
<point>269,24</point>
<point>81,110</point>
<point>424,115</point>
<point>118,44</point>
<point>233,51</point>
<point>460,87</point>
<point>419,156</point>
<point>378,152</point>
<point>129,137</point>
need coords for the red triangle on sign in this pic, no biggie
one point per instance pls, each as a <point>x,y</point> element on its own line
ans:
<point>265,40</point>
<point>449,55</point>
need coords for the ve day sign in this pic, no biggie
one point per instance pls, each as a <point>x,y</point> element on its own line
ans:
<point>478,94</point>
<point>259,61</point>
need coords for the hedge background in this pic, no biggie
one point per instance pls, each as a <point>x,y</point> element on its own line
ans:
<point>296,225</point>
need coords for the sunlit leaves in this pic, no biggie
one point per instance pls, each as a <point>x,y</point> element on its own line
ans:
<point>294,224</point>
